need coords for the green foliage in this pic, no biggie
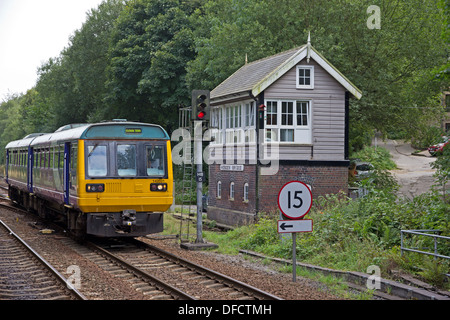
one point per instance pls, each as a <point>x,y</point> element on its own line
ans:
<point>71,87</point>
<point>379,157</point>
<point>264,235</point>
<point>150,48</point>
<point>434,271</point>
<point>360,135</point>
<point>442,166</point>
<point>354,234</point>
<point>427,136</point>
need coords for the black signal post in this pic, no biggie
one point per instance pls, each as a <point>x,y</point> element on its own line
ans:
<point>200,117</point>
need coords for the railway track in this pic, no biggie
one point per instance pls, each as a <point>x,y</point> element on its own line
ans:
<point>159,274</point>
<point>149,285</point>
<point>201,283</point>
<point>25,275</point>
<point>141,281</point>
<point>3,192</point>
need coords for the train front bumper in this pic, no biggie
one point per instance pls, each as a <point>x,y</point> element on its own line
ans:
<point>127,223</point>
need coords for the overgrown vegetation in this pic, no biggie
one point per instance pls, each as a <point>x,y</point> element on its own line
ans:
<point>354,234</point>
<point>379,157</point>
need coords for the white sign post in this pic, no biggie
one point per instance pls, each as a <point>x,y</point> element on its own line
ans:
<point>294,201</point>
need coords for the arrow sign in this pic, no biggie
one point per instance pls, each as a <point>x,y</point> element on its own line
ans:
<point>294,226</point>
<point>284,226</point>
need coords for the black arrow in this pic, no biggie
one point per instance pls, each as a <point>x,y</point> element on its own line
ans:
<point>283,226</point>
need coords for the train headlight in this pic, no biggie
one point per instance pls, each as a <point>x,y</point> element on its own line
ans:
<point>97,187</point>
<point>158,187</point>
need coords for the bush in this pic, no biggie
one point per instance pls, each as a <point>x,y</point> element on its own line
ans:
<point>354,234</point>
<point>264,234</point>
<point>379,157</point>
<point>442,166</point>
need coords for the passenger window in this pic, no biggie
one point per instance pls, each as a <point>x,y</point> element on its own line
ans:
<point>155,161</point>
<point>97,162</point>
<point>126,160</point>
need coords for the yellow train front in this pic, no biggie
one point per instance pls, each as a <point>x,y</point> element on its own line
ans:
<point>108,179</point>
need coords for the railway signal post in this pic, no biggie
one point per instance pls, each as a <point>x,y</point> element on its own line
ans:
<point>198,158</point>
<point>200,117</point>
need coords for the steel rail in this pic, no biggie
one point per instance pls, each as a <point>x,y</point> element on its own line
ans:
<point>161,285</point>
<point>241,286</point>
<point>78,295</point>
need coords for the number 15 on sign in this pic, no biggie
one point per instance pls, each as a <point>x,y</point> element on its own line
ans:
<point>295,200</point>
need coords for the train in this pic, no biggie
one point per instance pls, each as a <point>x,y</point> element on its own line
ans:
<point>107,179</point>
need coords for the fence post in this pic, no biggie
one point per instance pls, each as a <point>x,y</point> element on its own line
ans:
<point>435,248</point>
<point>401,243</point>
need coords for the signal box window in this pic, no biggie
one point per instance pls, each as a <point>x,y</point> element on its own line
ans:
<point>219,189</point>
<point>246,192</point>
<point>97,162</point>
<point>126,160</point>
<point>155,161</point>
<point>305,77</point>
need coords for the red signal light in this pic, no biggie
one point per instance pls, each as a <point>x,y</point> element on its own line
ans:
<point>200,105</point>
<point>201,115</point>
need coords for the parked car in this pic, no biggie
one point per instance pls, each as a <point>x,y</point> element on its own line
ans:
<point>360,170</point>
<point>439,147</point>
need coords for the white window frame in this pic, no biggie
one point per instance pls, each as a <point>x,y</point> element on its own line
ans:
<point>232,193</point>
<point>217,124</point>
<point>302,133</point>
<point>219,190</point>
<point>246,189</point>
<point>234,124</point>
<point>311,76</point>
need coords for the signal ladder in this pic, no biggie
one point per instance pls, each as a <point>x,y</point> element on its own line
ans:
<point>188,186</point>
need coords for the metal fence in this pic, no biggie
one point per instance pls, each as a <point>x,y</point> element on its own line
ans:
<point>423,233</point>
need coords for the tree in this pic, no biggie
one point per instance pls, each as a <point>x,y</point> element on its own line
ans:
<point>11,122</point>
<point>71,87</point>
<point>87,57</point>
<point>150,48</point>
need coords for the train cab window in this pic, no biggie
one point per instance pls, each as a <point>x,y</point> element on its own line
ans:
<point>97,164</point>
<point>155,161</point>
<point>126,160</point>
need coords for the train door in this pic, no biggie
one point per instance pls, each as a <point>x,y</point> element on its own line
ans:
<point>30,170</point>
<point>66,174</point>
<point>7,165</point>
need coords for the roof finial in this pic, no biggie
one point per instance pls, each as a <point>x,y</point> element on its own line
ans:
<point>309,46</point>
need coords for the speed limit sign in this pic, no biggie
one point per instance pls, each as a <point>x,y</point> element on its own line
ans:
<point>295,200</point>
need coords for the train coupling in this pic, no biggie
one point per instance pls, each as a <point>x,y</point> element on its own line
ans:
<point>128,217</point>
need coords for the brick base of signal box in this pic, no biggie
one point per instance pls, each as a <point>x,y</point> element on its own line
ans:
<point>323,177</point>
